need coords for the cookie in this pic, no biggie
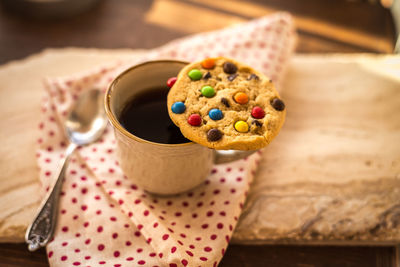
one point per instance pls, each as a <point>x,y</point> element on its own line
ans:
<point>223,104</point>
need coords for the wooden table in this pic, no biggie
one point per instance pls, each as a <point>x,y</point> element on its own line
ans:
<point>323,26</point>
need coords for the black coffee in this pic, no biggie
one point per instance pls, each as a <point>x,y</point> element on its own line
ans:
<point>146,116</point>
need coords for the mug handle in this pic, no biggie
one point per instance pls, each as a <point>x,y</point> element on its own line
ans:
<point>225,156</point>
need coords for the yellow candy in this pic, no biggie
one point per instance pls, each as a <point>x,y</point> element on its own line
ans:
<point>242,126</point>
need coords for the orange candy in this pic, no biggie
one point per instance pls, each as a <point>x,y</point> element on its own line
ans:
<point>208,63</point>
<point>241,98</point>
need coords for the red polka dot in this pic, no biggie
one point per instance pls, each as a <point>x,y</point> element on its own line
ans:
<point>192,246</point>
<point>204,226</point>
<point>165,237</point>
<point>141,262</point>
<point>183,235</point>
<point>178,214</point>
<point>173,265</point>
<point>102,262</point>
<point>222,213</point>
<point>77,250</point>
<point>100,229</point>
<point>83,207</point>
<point>152,254</point>
<point>64,258</point>
<point>137,233</point>
<point>139,226</point>
<point>155,225</point>
<point>213,237</point>
<point>100,247</point>
<point>64,229</point>
<point>76,263</point>
<point>50,254</point>
<point>207,249</point>
<point>203,259</point>
<point>116,254</point>
<point>114,235</point>
<point>210,213</point>
<point>84,190</point>
<point>130,259</point>
<point>217,191</point>
<point>160,255</point>
<point>88,257</point>
<point>64,244</point>
<point>184,262</point>
<point>189,253</point>
<point>128,243</point>
<point>220,226</point>
<point>146,213</point>
<point>113,218</point>
<point>137,201</point>
<point>87,241</point>
<point>173,249</point>
<point>86,224</point>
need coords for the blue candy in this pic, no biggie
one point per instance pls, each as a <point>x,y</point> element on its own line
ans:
<point>215,114</point>
<point>178,107</point>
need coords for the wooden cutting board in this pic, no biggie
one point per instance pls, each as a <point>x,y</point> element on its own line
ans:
<point>331,176</point>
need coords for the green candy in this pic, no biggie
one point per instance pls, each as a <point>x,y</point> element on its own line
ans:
<point>195,74</point>
<point>207,91</point>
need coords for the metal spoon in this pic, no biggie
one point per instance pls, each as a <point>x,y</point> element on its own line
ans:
<point>85,124</point>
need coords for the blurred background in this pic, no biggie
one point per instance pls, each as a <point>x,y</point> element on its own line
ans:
<point>29,26</point>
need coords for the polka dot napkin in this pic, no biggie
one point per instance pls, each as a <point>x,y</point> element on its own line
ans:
<point>105,219</point>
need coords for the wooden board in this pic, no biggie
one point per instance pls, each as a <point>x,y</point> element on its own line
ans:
<point>331,176</point>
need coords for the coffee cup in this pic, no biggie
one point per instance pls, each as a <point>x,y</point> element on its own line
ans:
<point>150,154</point>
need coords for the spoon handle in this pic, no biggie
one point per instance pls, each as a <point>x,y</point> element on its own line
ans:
<point>42,228</point>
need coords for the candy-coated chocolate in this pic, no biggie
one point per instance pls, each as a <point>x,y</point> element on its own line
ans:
<point>214,135</point>
<point>207,91</point>
<point>241,98</point>
<point>215,114</point>
<point>171,81</point>
<point>257,112</point>
<point>208,63</point>
<point>195,74</point>
<point>277,104</point>
<point>178,107</point>
<point>194,120</point>
<point>229,68</point>
<point>241,126</point>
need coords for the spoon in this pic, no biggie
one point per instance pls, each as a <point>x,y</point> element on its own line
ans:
<point>85,124</point>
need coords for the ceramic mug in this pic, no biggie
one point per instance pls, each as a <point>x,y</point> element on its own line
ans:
<point>158,168</point>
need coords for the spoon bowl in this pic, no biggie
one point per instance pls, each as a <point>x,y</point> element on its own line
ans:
<point>87,120</point>
<point>85,124</point>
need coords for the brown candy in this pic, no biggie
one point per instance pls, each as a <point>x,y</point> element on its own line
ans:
<point>277,104</point>
<point>214,135</point>
<point>229,68</point>
<point>225,102</point>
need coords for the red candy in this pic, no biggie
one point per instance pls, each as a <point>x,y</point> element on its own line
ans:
<point>257,112</point>
<point>171,81</point>
<point>194,120</point>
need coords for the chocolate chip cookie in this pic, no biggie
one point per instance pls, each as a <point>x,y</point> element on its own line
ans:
<point>223,104</point>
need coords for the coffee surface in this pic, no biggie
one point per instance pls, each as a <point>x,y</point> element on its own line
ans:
<point>146,116</point>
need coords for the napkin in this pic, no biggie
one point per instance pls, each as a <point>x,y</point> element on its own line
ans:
<point>105,219</point>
